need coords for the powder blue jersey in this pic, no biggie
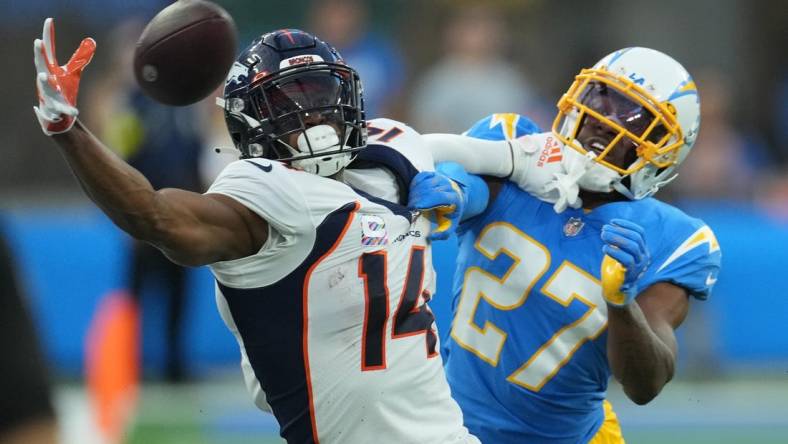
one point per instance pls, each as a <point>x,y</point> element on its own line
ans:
<point>527,357</point>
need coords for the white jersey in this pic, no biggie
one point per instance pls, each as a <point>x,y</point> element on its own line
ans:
<point>331,313</point>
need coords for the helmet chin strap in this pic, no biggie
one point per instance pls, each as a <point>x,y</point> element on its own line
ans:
<point>599,178</point>
<point>648,193</point>
<point>588,174</point>
<point>321,138</point>
<point>566,184</point>
<point>618,186</point>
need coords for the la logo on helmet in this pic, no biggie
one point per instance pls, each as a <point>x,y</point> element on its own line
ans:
<point>637,80</point>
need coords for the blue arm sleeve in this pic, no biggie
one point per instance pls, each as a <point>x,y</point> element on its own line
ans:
<point>475,191</point>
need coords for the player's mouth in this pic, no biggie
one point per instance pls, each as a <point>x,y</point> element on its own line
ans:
<point>595,144</point>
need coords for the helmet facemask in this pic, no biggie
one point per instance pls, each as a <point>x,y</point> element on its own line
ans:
<point>310,116</point>
<point>621,124</point>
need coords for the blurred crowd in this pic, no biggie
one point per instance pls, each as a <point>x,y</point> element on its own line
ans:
<point>439,66</point>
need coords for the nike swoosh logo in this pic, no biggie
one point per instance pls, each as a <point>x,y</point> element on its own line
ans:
<point>710,280</point>
<point>266,168</point>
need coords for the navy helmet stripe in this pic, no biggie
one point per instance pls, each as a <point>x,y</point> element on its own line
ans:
<point>272,322</point>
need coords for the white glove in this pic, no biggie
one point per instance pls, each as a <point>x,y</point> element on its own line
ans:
<point>544,173</point>
<point>58,85</point>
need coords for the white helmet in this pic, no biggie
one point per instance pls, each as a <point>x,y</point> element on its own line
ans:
<point>650,106</point>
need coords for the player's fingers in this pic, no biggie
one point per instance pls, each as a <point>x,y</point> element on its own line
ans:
<point>428,192</point>
<point>433,181</point>
<point>622,243</point>
<point>48,36</point>
<point>45,117</point>
<point>38,56</point>
<point>82,55</point>
<point>632,235</point>
<point>620,255</point>
<point>45,88</point>
<point>52,98</point>
<point>613,238</point>
<point>629,225</point>
<point>419,180</point>
<point>623,232</point>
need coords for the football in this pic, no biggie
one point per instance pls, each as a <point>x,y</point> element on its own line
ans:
<point>185,52</point>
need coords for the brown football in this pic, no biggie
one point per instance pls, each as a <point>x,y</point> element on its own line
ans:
<point>185,52</point>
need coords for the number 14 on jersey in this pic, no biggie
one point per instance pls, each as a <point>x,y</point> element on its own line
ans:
<point>409,319</point>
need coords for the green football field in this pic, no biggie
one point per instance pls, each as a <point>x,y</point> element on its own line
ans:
<point>219,411</point>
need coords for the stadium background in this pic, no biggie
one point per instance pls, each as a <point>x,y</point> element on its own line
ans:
<point>732,384</point>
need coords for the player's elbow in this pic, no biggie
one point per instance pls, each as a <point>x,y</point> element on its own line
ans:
<point>641,397</point>
<point>643,392</point>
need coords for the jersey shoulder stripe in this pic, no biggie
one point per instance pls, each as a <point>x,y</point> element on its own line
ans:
<point>703,236</point>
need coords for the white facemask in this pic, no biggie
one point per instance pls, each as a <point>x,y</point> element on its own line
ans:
<point>322,138</point>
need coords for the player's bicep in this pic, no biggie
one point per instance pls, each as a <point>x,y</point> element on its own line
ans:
<point>199,229</point>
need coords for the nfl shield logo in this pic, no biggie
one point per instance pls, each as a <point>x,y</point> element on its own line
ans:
<point>573,226</point>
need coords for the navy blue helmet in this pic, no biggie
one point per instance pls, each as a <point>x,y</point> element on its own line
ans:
<point>282,85</point>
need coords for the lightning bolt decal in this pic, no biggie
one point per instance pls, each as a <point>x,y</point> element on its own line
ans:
<point>508,123</point>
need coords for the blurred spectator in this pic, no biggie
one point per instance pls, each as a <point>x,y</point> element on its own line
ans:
<point>725,162</point>
<point>376,58</point>
<point>473,79</point>
<point>26,413</point>
<point>165,144</point>
<point>772,193</point>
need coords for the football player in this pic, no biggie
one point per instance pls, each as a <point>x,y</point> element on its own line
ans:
<point>548,304</point>
<point>322,272</point>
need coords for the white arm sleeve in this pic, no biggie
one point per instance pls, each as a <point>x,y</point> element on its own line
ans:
<point>534,162</point>
<point>477,156</point>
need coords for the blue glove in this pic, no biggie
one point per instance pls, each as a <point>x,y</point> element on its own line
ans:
<point>441,198</point>
<point>475,191</point>
<point>627,259</point>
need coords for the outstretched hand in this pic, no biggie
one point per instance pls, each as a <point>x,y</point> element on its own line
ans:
<point>58,85</point>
